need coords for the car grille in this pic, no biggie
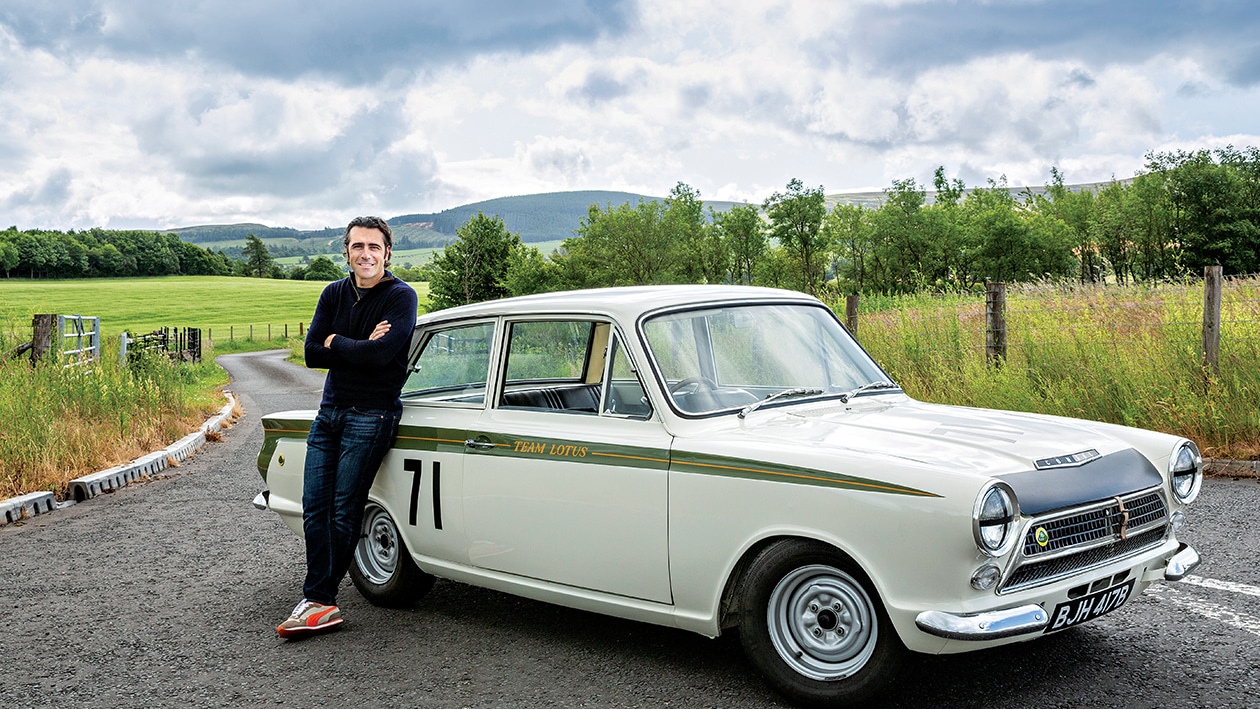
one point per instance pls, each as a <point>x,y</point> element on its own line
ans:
<point>1085,537</point>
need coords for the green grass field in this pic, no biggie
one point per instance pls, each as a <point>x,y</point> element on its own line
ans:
<point>138,305</point>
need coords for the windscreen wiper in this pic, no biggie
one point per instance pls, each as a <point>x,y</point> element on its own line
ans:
<point>799,391</point>
<point>883,384</point>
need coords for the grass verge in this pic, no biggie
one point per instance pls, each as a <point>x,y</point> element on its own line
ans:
<point>59,423</point>
<point>1126,355</point>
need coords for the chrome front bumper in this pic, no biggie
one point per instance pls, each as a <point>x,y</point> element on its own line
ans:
<point>992,625</point>
<point>1022,620</point>
<point>261,499</point>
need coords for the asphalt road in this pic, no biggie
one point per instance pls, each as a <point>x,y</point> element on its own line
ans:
<point>167,593</point>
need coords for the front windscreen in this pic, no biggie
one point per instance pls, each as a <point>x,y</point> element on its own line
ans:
<point>729,357</point>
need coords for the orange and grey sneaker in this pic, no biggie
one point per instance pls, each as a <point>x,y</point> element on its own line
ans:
<point>309,617</point>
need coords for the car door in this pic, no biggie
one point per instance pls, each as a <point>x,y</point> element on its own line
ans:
<point>421,479</point>
<point>567,478</point>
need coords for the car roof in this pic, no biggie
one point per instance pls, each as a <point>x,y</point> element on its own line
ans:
<point>622,303</point>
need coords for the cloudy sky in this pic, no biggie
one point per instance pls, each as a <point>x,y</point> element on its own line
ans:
<point>304,113</point>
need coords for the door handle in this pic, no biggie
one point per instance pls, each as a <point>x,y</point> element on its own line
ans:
<point>478,445</point>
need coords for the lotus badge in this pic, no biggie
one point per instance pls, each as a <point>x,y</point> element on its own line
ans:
<point>1042,536</point>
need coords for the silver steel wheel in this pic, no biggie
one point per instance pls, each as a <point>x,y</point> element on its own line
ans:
<point>377,551</point>
<point>822,622</point>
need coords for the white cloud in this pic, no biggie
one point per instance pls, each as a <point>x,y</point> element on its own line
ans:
<point>734,97</point>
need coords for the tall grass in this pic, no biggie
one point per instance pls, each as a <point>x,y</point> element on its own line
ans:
<point>58,423</point>
<point>1129,355</point>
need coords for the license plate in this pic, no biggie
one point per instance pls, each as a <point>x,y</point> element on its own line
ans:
<point>1089,607</point>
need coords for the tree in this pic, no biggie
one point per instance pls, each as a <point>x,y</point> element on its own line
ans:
<point>8,257</point>
<point>904,255</point>
<point>322,268</point>
<point>1213,216</point>
<point>617,246</point>
<point>1006,246</point>
<point>848,229</point>
<point>474,266</point>
<point>687,231</point>
<point>743,232</point>
<point>258,261</point>
<point>796,218</point>
<point>1076,211</point>
<point>530,272</point>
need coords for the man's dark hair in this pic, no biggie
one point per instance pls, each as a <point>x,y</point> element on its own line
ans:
<point>369,223</point>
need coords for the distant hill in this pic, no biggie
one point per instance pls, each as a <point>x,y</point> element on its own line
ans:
<point>873,200</point>
<point>551,216</point>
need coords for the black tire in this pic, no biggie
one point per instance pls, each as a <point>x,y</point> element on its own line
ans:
<point>815,628</point>
<point>382,569</point>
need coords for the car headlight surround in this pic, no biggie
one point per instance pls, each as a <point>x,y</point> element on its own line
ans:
<point>994,520</point>
<point>1185,472</point>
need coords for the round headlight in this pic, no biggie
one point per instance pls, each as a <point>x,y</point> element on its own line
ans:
<point>1185,471</point>
<point>993,521</point>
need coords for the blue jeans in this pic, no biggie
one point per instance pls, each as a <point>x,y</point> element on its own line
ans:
<point>343,451</point>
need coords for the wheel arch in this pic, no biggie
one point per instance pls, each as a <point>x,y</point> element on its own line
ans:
<point>728,609</point>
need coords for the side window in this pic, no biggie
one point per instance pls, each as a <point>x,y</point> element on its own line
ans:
<point>623,390</point>
<point>452,365</point>
<point>554,365</point>
<point>555,351</point>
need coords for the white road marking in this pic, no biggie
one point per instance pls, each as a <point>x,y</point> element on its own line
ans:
<point>1228,616</point>
<point>1222,585</point>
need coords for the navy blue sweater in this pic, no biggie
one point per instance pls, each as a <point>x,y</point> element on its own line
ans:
<point>368,374</point>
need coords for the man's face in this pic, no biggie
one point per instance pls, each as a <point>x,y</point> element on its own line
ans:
<point>367,254</point>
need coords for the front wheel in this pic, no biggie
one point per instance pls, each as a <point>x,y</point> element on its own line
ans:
<point>383,570</point>
<point>814,628</point>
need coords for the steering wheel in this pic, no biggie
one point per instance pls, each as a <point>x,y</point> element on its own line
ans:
<point>709,384</point>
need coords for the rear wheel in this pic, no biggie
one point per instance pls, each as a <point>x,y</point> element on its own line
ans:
<point>813,626</point>
<point>383,570</point>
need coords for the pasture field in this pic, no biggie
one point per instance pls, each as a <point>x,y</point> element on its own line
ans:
<point>138,305</point>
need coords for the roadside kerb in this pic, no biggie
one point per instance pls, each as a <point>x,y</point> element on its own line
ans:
<point>29,505</point>
<point>1222,468</point>
<point>119,476</point>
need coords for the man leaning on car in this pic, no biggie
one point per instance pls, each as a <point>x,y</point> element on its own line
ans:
<point>351,335</point>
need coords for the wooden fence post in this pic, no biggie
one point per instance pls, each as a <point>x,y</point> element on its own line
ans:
<point>850,314</point>
<point>995,323</point>
<point>300,327</point>
<point>42,327</point>
<point>1212,318</point>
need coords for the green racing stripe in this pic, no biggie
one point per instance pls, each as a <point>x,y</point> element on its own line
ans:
<point>428,438</point>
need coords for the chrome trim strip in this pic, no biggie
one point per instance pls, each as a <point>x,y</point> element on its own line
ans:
<point>991,625</point>
<point>1181,563</point>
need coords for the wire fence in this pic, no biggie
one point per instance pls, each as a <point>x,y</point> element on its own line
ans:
<point>256,331</point>
<point>1118,316</point>
<point>1181,357</point>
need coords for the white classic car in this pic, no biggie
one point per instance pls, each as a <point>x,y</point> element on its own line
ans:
<point>711,457</point>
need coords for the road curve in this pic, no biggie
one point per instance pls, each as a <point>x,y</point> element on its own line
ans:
<point>167,593</point>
